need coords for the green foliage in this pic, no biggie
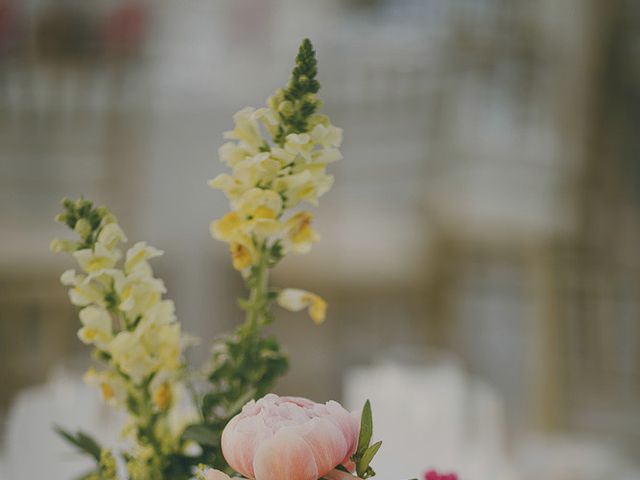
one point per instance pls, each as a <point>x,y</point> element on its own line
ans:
<point>298,101</point>
<point>82,441</point>
<point>244,365</point>
<point>365,451</point>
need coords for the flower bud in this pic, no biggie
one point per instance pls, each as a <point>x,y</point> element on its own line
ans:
<point>58,245</point>
<point>286,108</point>
<point>83,228</point>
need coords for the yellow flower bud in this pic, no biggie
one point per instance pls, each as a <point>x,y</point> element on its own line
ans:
<point>58,245</point>
<point>286,108</point>
<point>83,228</point>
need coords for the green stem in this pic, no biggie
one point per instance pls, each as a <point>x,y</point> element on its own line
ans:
<point>258,295</point>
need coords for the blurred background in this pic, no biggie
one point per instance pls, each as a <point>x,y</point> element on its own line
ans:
<point>480,248</point>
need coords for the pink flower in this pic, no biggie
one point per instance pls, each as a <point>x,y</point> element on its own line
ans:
<point>289,438</point>
<point>434,475</point>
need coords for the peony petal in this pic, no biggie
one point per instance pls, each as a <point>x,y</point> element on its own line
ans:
<point>240,440</point>
<point>285,457</point>
<point>349,424</point>
<point>326,441</point>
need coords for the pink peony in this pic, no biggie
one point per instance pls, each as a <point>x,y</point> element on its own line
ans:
<point>289,438</point>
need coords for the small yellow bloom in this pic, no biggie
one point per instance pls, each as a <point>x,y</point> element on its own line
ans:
<point>96,326</point>
<point>300,235</point>
<point>231,153</point>
<point>85,293</point>
<point>129,354</point>
<point>299,144</point>
<point>269,119</point>
<point>306,185</point>
<point>257,198</point>
<point>162,396</point>
<point>294,299</point>
<point>240,255</point>
<point>246,128</point>
<point>227,227</point>
<point>58,245</point>
<point>327,135</point>
<point>111,385</point>
<point>100,258</point>
<point>71,278</point>
<point>110,235</point>
<point>138,292</point>
<point>164,343</point>
<point>138,255</point>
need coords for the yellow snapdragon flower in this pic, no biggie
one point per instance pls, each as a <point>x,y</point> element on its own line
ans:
<point>131,357</point>
<point>138,292</point>
<point>96,259</point>
<point>294,299</point>
<point>243,252</point>
<point>111,385</point>
<point>137,256</point>
<point>300,236</point>
<point>96,326</point>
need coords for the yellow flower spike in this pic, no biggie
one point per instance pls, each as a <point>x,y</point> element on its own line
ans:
<point>227,227</point>
<point>294,299</point>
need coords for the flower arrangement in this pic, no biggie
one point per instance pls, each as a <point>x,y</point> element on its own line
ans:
<point>177,427</point>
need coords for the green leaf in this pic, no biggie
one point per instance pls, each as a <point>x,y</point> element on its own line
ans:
<point>366,430</point>
<point>82,441</point>
<point>363,464</point>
